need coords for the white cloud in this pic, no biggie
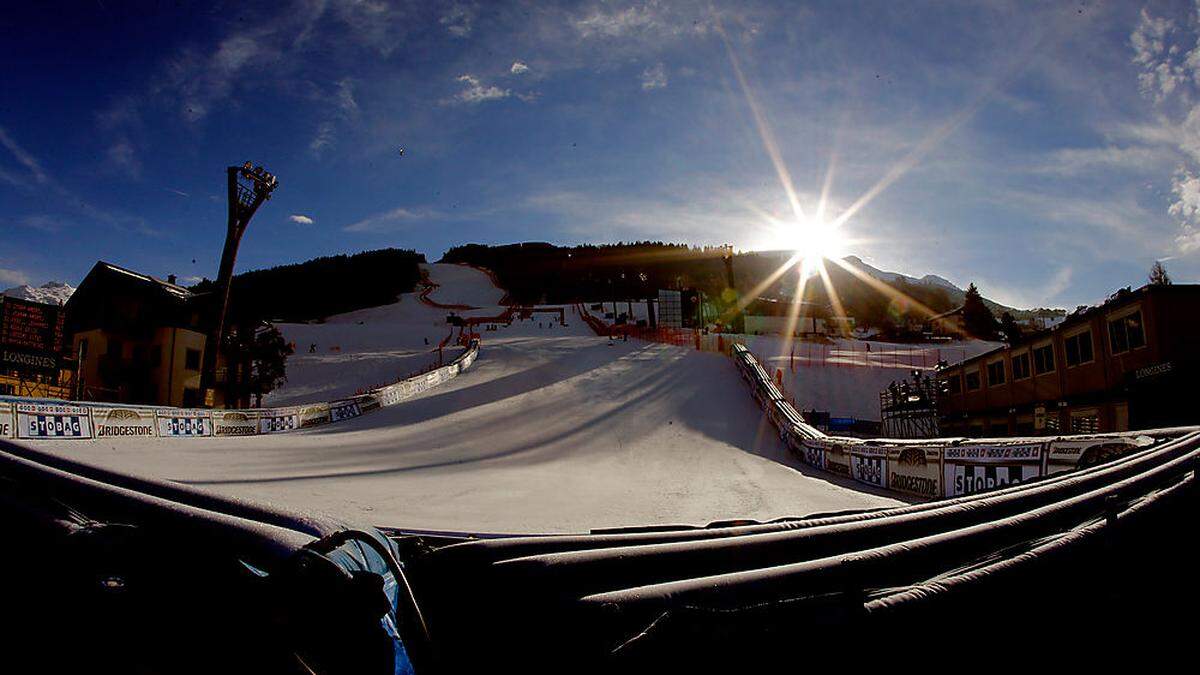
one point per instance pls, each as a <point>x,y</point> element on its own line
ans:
<point>475,91</point>
<point>9,276</point>
<point>654,77</point>
<point>460,19</point>
<point>122,156</point>
<point>322,140</point>
<point>394,219</point>
<point>518,67</point>
<point>31,164</point>
<point>300,219</point>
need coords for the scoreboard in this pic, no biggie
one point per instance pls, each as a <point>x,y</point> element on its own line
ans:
<point>31,335</point>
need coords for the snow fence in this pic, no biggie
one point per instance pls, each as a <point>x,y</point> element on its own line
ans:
<point>940,467</point>
<point>58,420</point>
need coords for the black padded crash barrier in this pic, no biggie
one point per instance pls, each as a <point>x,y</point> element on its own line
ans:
<point>620,599</point>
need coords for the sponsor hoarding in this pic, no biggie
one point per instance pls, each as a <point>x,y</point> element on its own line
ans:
<point>868,464</point>
<point>344,410</point>
<point>235,423</point>
<point>183,422</point>
<point>814,453</point>
<point>915,469</point>
<point>6,421</point>
<point>971,468</point>
<point>278,420</point>
<point>53,421</point>
<point>315,415</point>
<point>837,458</point>
<point>1067,455</point>
<point>123,423</point>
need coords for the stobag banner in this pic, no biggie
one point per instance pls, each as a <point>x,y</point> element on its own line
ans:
<point>975,467</point>
<point>181,422</point>
<point>235,423</point>
<point>123,423</point>
<point>868,464</point>
<point>813,453</point>
<point>53,421</point>
<point>346,410</point>
<point>6,421</point>
<point>278,420</point>
<point>915,470</point>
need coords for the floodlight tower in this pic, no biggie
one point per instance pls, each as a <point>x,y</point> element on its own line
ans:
<point>248,187</point>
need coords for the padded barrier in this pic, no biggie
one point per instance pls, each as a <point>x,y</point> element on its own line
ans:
<point>31,420</point>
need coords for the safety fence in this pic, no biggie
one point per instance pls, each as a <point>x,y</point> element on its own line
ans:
<point>60,420</point>
<point>943,467</point>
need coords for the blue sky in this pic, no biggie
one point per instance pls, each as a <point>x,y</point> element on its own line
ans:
<point>1049,153</point>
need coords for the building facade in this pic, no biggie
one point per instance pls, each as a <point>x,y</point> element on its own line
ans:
<point>139,339</point>
<point>1126,364</point>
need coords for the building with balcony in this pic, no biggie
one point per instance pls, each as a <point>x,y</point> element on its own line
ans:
<point>1129,363</point>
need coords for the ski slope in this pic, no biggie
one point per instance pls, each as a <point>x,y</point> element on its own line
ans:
<point>552,430</point>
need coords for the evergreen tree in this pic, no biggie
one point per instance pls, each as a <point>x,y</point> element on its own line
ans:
<point>977,318</point>
<point>1158,275</point>
<point>1010,330</point>
<point>268,353</point>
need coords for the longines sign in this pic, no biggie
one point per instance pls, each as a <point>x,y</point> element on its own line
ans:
<point>20,359</point>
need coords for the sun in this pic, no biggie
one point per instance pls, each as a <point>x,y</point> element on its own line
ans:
<point>811,239</point>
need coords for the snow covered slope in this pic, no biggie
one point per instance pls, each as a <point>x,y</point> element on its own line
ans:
<point>52,293</point>
<point>368,347</point>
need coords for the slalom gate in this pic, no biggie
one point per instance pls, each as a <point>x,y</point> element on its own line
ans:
<point>941,467</point>
<point>60,420</point>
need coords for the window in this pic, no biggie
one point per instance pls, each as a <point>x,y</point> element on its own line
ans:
<point>954,384</point>
<point>1079,348</point>
<point>995,373</point>
<point>191,360</point>
<point>1043,359</point>
<point>1126,333</point>
<point>1020,366</point>
<point>972,381</point>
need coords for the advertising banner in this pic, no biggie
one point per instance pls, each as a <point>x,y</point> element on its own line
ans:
<point>814,453</point>
<point>53,421</point>
<point>971,468</point>
<point>315,415</point>
<point>915,469</point>
<point>181,422</point>
<point>278,420</point>
<point>6,421</point>
<point>868,464</point>
<point>123,423</point>
<point>837,458</point>
<point>1068,455</point>
<point>344,410</point>
<point>235,423</point>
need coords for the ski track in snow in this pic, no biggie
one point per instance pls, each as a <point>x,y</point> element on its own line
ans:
<point>552,430</point>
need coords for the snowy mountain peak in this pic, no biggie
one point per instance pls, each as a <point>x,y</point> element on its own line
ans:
<point>52,293</point>
<point>882,275</point>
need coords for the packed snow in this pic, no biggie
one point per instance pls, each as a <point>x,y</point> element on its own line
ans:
<point>552,430</point>
<point>52,293</point>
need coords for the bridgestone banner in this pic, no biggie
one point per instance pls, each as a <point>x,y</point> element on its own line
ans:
<point>176,422</point>
<point>53,421</point>
<point>123,423</point>
<point>975,468</point>
<point>6,421</point>
<point>235,423</point>
<point>1068,455</point>
<point>278,420</point>
<point>915,469</point>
